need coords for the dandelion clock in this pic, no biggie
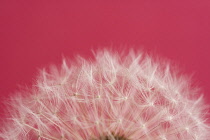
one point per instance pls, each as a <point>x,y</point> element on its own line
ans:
<point>129,96</point>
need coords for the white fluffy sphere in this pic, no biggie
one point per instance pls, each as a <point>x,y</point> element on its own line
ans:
<point>114,97</point>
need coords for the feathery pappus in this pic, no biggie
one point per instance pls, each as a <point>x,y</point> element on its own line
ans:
<point>113,97</point>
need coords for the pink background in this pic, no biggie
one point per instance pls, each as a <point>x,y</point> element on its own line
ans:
<point>36,33</point>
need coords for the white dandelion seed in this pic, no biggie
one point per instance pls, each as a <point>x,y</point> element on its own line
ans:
<point>114,97</point>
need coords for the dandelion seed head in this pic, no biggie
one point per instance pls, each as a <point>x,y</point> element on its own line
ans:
<point>114,97</point>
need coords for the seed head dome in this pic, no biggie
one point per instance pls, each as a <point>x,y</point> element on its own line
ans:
<point>113,97</point>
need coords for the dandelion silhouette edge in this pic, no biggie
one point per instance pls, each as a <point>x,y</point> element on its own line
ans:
<point>113,97</point>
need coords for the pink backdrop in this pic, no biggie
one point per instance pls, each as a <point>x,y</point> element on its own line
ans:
<point>36,33</point>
